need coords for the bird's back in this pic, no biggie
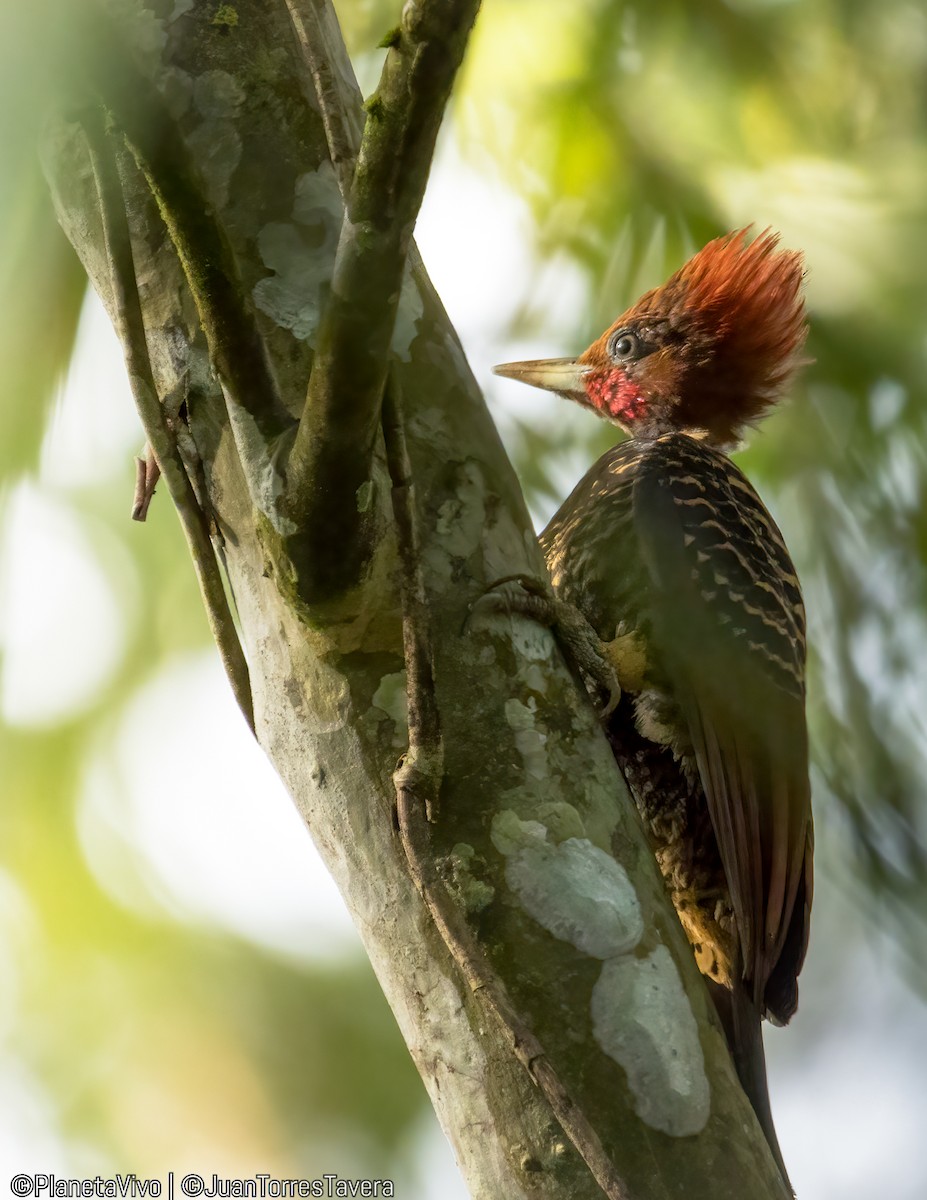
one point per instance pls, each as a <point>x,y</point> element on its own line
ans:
<point>673,559</point>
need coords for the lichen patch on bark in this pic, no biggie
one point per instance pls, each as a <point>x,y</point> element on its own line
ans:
<point>216,142</point>
<point>575,890</point>
<point>408,316</point>
<point>641,1015</point>
<point>392,703</point>
<point>642,1018</point>
<point>459,528</point>
<point>266,478</point>
<point>300,254</point>
<point>461,868</point>
<point>529,740</point>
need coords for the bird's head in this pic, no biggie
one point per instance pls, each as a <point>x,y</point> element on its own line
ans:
<point>709,352</point>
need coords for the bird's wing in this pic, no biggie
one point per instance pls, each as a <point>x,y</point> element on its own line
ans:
<point>728,625</point>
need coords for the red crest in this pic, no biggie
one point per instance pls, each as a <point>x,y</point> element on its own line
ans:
<point>735,319</point>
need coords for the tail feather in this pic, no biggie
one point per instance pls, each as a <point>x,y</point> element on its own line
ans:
<point>743,1030</point>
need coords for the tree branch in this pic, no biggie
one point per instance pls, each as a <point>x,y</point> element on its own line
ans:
<point>331,456</point>
<point>257,415</point>
<point>131,329</point>
<point>312,25</point>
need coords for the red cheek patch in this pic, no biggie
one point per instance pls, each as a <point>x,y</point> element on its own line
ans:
<point>615,396</point>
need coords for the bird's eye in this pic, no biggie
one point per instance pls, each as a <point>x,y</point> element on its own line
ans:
<point>624,345</point>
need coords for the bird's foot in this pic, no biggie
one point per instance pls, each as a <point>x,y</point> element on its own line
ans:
<point>526,596</point>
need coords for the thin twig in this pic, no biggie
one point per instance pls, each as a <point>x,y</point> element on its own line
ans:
<point>418,784</point>
<point>314,28</point>
<point>317,30</point>
<point>131,324</point>
<point>332,453</point>
<point>147,474</point>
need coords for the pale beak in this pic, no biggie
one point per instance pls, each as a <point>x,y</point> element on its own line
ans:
<point>563,375</point>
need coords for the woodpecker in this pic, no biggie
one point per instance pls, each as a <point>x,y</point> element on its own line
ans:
<point>670,555</point>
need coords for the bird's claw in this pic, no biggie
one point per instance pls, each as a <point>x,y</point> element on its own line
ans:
<point>582,646</point>
<point>534,598</point>
<point>515,595</point>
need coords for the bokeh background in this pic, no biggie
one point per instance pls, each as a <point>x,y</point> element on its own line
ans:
<point>180,987</point>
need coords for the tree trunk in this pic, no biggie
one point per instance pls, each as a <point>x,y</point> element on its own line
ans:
<point>534,853</point>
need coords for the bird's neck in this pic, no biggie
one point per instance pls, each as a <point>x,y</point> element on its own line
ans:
<point>652,432</point>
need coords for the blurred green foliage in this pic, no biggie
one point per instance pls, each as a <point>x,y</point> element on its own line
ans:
<point>41,282</point>
<point>635,132</point>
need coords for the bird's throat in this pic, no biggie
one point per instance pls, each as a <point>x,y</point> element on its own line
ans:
<point>616,396</point>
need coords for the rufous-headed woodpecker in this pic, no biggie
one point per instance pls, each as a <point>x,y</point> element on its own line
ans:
<point>670,555</point>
